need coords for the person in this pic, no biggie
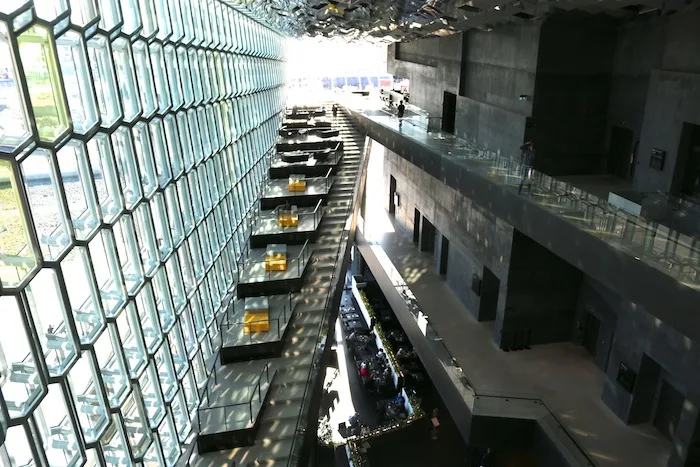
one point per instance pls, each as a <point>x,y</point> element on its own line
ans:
<point>364,371</point>
<point>335,110</point>
<point>400,113</point>
<point>487,461</point>
<point>527,160</point>
<point>380,355</point>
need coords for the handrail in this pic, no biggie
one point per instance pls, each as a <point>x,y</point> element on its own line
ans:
<point>287,311</point>
<point>300,260</point>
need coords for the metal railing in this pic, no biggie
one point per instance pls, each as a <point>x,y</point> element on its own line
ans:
<point>316,214</point>
<point>225,414</point>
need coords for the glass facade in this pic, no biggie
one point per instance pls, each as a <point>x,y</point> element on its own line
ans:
<point>134,142</point>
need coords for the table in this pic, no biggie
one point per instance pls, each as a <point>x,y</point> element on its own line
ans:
<point>297,183</point>
<point>256,317</point>
<point>288,217</point>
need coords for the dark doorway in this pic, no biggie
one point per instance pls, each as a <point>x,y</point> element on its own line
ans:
<point>620,157</point>
<point>392,195</point>
<point>427,236</point>
<point>488,305</point>
<point>449,110</point>
<point>416,225</point>
<point>668,409</point>
<point>591,328</point>
<point>444,252</point>
<point>689,153</point>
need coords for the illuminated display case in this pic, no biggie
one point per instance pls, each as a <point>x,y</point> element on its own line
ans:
<point>133,137</point>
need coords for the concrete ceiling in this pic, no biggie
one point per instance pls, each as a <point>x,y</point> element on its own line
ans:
<point>405,20</point>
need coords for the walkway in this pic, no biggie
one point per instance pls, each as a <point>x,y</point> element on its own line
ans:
<point>563,375</point>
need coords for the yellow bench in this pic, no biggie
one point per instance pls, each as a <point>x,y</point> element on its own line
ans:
<point>276,257</point>
<point>288,217</point>
<point>257,315</point>
<point>297,183</point>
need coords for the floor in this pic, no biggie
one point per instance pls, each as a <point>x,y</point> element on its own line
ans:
<point>279,188</point>
<point>562,374</point>
<point>233,326</point>
<point>308,222</point>
<point>254,269</point>
<point>599,185</point>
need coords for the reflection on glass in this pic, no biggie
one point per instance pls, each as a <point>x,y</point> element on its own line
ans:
<point>144,156</point>
<point>129,179</point>
<point>174,149</point>
<point>161,225</point>
<point>51,320</point>
<point>110,16</point>
<point>38,56</point>
<point>164,303</point>
<point>160,152</point>
<point>127,247</point>
<point>17,255</point>
<point>83,12</point>
<point>168,441</point>
<point>177,288</point>
<point>166,373</point>
<point>142,64</point>
<point>77,186</point>
<point>163,18</point>
<point>146,239</point>
<point>19,376</point>
<point>43,193</point>
<point>14,128</point>
<point>148,18</point>
<point>16,448</point>
<point>146,307</point>
<point>132,16</point>
<point>152,397</point>
<point>160,75</point>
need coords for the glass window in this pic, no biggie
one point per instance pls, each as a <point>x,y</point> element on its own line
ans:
<point>138,434</point>
<point>160,152</point>
<point>19,375</point>
<point>72,56</point>
<point>85,303</point>
<point>177,288</point>
<point>163,18</point>
<point>110,16</point>
<point>17,254</point>
<point>164,303</point>
<point>180,415</point>
<point>78,188</point>
<point>129,258</point>
<point>132,341</point>
<point>195,136</point>
<point>142,64</point>
<point>87,397</point>
<point>112,367</point>
<point>174,215</point>
<point>38,56</point>
<point>105,177</point>
<point>146,307</point>
<point>83,12</point>
<point>57,431</point>
<point>161,77</point>
<point>184,136</point>
<point>161,225</point>
<point>16,448</point>
<point>186,75</point>
<point>128,89</point>
<point>168,441</point>
<point>166,373</point>
<point>51,320</point>
<point>105,80</point>
<point>196,77</point>
<point>114,445</point>
<point>172,139</point>
<point>173,72</point>
<point>126,166</point>
<point>144,156</point>
<point>107,272</point>
<point>146,239</point>
<point>15,127</point>
<point>152,396</point>
<point>183,192</point>
<point>178,352</point>
<point>148,18</point>
<point>188,333</point>
<point>132,17</point>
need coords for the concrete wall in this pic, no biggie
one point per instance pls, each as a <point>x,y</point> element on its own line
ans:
<point>542,295</point>
<point>670,49</point>
<point>477,237</point>
<point>571,93</point>
<point>428,82</point>
<point>498,67</point>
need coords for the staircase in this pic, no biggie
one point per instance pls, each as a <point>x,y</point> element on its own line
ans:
<point>279,417</point>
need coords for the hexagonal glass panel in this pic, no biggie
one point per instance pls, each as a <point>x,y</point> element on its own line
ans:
<point>19,374</point>
<point>57,431</point>
<point>168,440</point>
<point>137,433</point>
<point>14,129</point>
<point>87,397</point>
<point>76,179</point>
<point>18,256</point>
<point>107,272</point>
<point>128,89</point>
<point>17,448</point>
<point>52,321</point>
<point>142,63</point>
<point>105,80</point>
<point>110,16</point>
<point>72,56</point>
<point>112,367</point>
<point>114,447</point>
<point>131,339</point>
<point>83,12</point>
<point>46,203</point>
<point>84,300</point>
<point>132,17</point>
<point>125,157</point>
<point>38,55</point>
<point>105,177</point>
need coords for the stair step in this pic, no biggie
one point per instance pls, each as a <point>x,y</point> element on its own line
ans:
<point>275,430</point>
<point>281,411</point>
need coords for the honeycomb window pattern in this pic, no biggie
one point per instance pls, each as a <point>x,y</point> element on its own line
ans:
<point>135,137</point>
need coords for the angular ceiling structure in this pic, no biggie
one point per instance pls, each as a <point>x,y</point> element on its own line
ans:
<point>405,20</point>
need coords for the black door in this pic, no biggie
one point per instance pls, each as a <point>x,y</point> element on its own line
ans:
<point>591,328</point>
<point>691,173</point>
<point>668,409</point>
<point>620,157</point>
<point>427,235</point>
<point>449,109</point>
<point>489,295</point>
<point>392,193</point>
<point>444,255</point>
<point>416,225</point>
